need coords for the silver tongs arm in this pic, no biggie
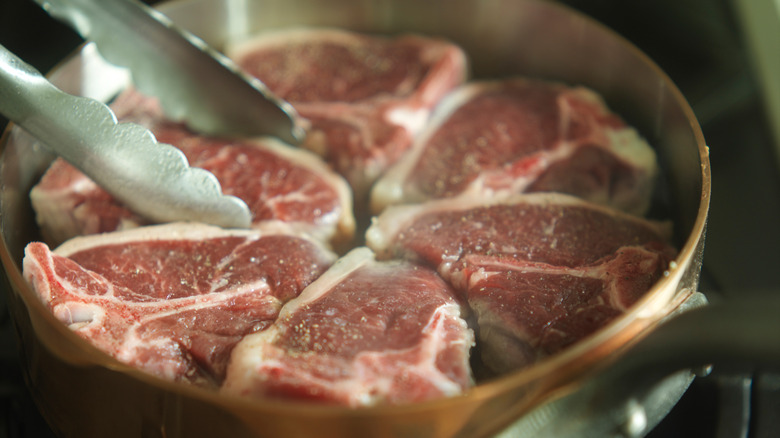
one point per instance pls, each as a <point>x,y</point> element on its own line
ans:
<point>194,83</point>
<point>151,178</point>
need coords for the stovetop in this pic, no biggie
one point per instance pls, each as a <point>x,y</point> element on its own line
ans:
<point>701,47</point>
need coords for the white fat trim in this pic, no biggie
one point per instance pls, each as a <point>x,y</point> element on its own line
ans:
<point>343,267</point>
<point>239,48</point>
<point>170,231</point>
<point>251,353</point>
<point>631,148</point>
<point>410,118</point>
<point>79,313</point>
<point>390,188</point>
<point>167,366</point>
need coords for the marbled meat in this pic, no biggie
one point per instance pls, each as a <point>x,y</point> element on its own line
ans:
<point>174,299</point>
<point>365,333</point>
<point>495,138</point>
<point>364,97</point>
<point>541,271</point>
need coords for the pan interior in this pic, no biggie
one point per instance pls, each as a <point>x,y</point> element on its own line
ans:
<point>502,38</point>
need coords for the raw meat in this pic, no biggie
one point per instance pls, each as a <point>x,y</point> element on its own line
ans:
<point>519,135</point>
<point>278,182</point>
<point>541,271</point>
<point>174,299</point>
<point>365,333</point>
<point>251,311</point>
<point>364,97</point>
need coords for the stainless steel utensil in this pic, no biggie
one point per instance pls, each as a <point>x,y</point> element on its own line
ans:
<point>151,178</point>
<point>179,69</point>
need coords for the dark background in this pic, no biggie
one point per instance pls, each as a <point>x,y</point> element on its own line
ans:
<point>701,45</point>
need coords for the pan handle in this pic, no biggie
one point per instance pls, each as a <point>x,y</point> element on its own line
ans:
<point>736,335</point>
<point>731,333</point>
<point>635,392</point>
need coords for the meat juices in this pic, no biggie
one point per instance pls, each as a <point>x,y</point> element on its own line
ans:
<point>278,183</point>
<point>365,97</point>
<point>364,333</point>
<point>174,299</point>
<point>495,138</point>
<point>541,271</point>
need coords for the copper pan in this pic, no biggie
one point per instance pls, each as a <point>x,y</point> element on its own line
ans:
<point>84,393</point>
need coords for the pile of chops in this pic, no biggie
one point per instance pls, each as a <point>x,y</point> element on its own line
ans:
<point>507,225</point>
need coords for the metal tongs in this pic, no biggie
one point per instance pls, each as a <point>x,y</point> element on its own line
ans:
<point>151,178</point>
<point>193,83</point>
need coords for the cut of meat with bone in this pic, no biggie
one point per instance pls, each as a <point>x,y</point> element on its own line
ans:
<point>541,271</point>
<point>363,96</point>
<point>174,299</point>
<point>521,135</point>
<point>365,333</point>
<point>278,182</point>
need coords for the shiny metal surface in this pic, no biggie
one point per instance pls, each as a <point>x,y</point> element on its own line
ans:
<point>503,38</point>
<point>179,69</point>
<point>153,179</point>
